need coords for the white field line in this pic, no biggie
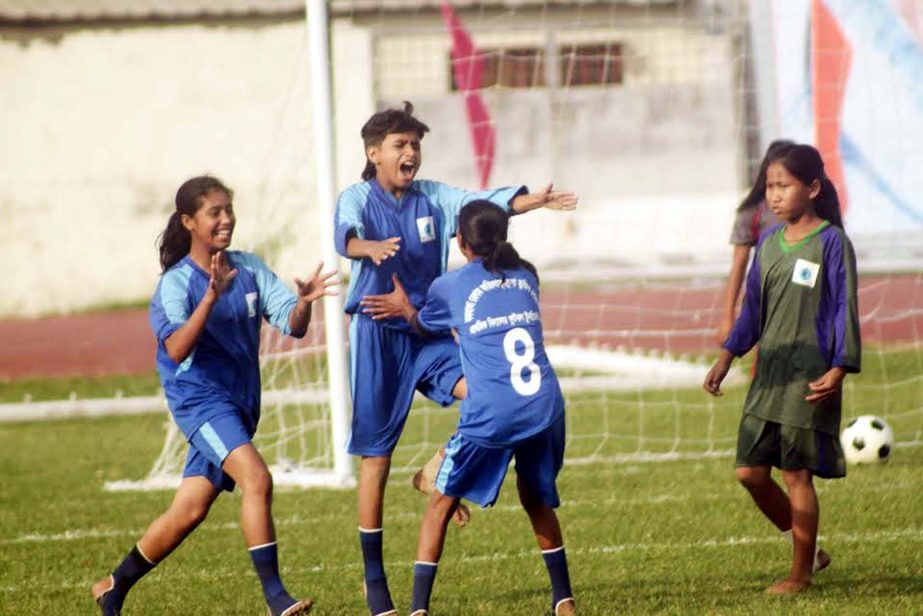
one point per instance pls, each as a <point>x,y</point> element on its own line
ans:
<point>888,536</point>
<point>621,371</point>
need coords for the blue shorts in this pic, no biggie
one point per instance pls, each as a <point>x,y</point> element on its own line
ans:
<point>386,366</point>
<point>211,444</point>
<point>476,472</point>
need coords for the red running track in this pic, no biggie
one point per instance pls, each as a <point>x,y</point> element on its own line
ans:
<point>668,317</point>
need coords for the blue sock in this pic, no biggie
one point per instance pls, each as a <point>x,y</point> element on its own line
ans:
<point>556,562</point>
<point>377,594</point>
<point>266,562</point>
<point>424,574</point>
<point>130,570</point>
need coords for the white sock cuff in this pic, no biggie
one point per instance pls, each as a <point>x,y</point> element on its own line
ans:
<point>261,546</point>
<point>143,555</point>
<point>424,562</point>
<point>371,531</point>
<point>553,550</point>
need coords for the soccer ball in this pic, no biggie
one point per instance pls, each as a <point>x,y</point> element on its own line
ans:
<point>867,440</point>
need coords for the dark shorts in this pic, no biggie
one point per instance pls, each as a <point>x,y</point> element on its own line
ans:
<point>211,444</point>
<point>476,473</point>
<point>767,443</point>
<point>386,367</point>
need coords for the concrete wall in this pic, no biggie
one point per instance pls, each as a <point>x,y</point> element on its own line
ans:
<point>99,126</point>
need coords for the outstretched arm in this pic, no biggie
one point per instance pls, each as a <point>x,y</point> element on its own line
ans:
<point>548,198</point>
<point>181,342</point>
<point>318,285</point>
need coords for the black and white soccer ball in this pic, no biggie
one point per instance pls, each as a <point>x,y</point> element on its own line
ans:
<point>867,439</point>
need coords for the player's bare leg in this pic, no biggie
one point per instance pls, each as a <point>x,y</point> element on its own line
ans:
<point>189,507</point>
<point>805,515</point>
<point>373,478</point>
<point>425,481</point>
<point>246,467</point>
<point>430,543</point>
<point>551,542</point>
<point>775,504</point>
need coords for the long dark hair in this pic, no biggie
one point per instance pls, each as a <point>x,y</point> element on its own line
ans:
<point>483,227</point>
<point>385,123</point>
<point>175,241</point>
<point>805,163</point>
<point>758,191</point>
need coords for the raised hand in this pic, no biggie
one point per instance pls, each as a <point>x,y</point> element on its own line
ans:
<point>220,274</point>
<point>318,285</point>
<point>827,385</point>
<point>383,249</point>
<point>557,199</point>
<point>390,305</point>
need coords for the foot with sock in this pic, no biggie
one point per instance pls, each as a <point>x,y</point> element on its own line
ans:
<point>265,560</point>
<point>110,592</point>
<point>286,605</point>
<point>424,481</point>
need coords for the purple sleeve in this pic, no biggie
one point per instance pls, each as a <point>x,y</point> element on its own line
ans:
<point>746,330</point>
<point>840,266</point>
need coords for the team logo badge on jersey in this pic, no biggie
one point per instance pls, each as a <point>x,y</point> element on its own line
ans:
<point>426,228</point>
<point>251,303</point>
<point>805,273</point>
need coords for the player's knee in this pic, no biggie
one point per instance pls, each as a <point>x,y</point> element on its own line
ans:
<point>258,483</point>
<point>752,479</point>
<point>189,514</point>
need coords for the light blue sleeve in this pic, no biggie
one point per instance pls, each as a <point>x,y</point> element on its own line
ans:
<point>451,200</point>
<point>436,314</point>
<point>169,308</point>
<point>348,216</point>
<point>276,300</point>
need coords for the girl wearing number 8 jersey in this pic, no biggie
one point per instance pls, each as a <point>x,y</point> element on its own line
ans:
<point>514,407</point>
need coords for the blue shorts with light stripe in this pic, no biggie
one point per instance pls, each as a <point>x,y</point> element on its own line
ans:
<point>386,366</point>
<point>211,444</point>
<point>476,473</point>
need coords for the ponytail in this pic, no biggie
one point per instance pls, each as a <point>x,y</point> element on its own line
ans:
<point>827,203</point>
<point>174,242</point>
<point>483,227</point>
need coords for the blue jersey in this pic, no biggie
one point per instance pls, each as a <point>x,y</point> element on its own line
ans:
<point>425,218</point>
<point>223,368</point>
<point>513,392</point>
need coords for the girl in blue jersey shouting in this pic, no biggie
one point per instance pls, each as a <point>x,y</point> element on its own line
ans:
<point>801,307</point>
<point>206,314</point>
<point>514,407</point>
<point>392,223</point>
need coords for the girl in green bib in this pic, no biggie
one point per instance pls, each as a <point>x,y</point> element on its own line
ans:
<point>800,306</point>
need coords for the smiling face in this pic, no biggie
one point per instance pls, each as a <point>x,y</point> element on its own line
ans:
<point>789,197</point>
<point>397,159</point>
<point>212,227</point>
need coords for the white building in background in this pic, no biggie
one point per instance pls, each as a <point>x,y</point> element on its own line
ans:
<point>108,105</point>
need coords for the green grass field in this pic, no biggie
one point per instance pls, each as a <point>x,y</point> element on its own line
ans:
<point>672,537</point>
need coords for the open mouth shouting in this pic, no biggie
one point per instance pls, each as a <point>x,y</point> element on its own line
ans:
<point>407,170</point>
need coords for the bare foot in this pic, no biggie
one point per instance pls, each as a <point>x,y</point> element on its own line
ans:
<point>788,587</point>
<point>101,587</point>
<point>425,481</point>
<point>822,561</point>
<point>567,607</point>
<point>302,607</point>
